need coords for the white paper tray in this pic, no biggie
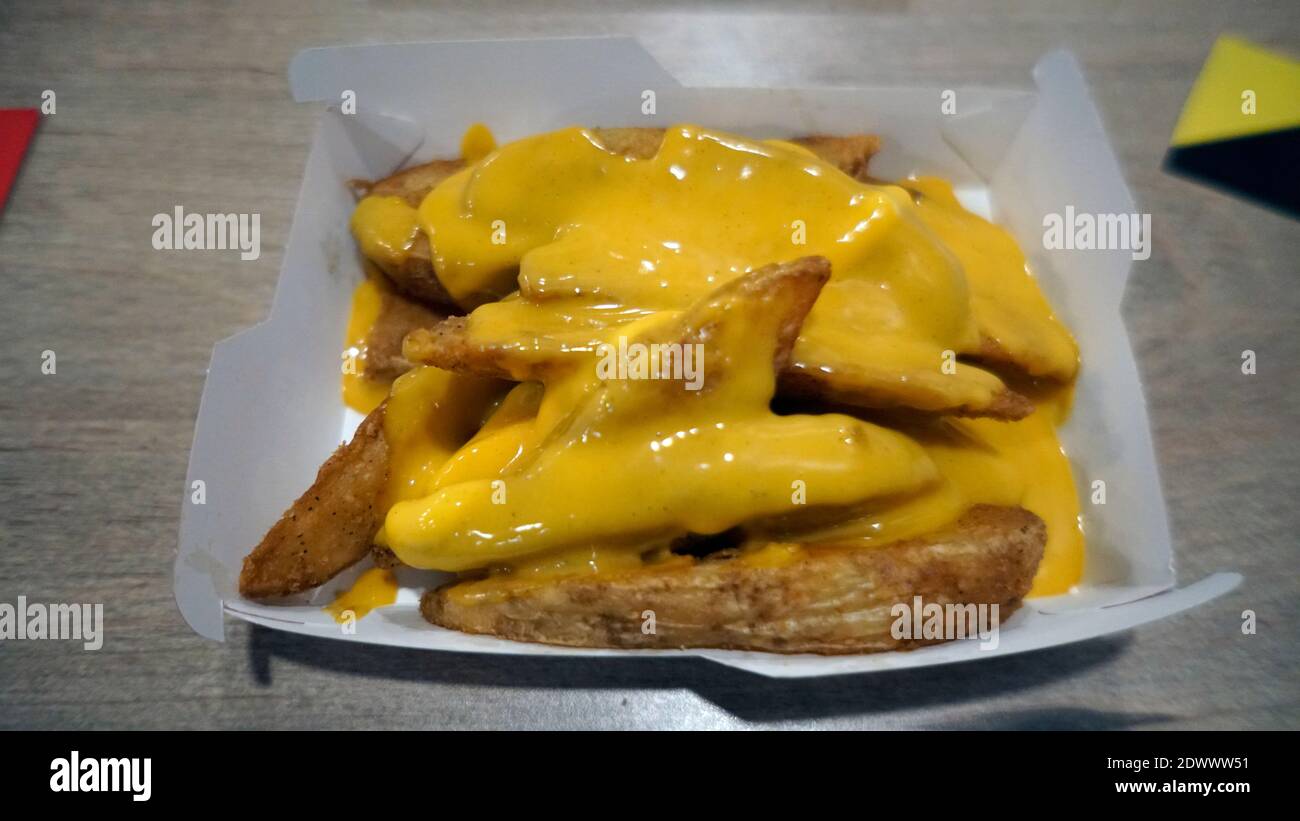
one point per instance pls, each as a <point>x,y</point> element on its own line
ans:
<point>271,413</point>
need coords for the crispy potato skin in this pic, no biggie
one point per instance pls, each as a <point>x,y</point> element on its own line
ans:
<point>833,601</point>
<point>331,526</point>
<point>789,288</point>
<point>398,316</point>
<point>637,143</point>
<point>413,184</point>
<point>447,345</point>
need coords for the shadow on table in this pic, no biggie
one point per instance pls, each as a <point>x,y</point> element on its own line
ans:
<point>744,695</point>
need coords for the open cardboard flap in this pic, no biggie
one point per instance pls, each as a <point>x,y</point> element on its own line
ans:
<point>271,412</point>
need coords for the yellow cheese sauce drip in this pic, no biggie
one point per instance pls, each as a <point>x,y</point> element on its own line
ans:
<point>359,393</point>
<point>430,415</point>
<point>1021,463</point>
<point>374,588</point>
<point>477,143</point>
<point>384,228</point>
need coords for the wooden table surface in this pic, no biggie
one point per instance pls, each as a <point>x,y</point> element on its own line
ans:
<point>159,105</point>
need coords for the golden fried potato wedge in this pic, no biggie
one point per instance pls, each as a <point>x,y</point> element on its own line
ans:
<point>414,276</point>
<point>839,386</point>
<point>450,346</point>
<point>994,355</point>
<point>827,600</point>
<point>636,143</point>
<point>601,426</point>
<point>447,345</point>
<point>331,526</point>
<point>398,316</point>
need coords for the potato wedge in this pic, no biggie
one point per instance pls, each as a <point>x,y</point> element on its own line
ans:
<point>828,601</point>
<point>840,387</point>
<point>450,345</point>
<point>398,316</point>
<point>412,184</point>
<point>331,526</point>
<point>414,276</point>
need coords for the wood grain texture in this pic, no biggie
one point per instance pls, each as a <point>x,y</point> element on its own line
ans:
<point>165,104</point>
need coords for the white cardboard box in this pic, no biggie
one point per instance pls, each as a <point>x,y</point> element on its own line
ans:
<point>271,411</point>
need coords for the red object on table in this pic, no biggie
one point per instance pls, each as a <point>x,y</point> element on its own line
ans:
<point>16,128</point>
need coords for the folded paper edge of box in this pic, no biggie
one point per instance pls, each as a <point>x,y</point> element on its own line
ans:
<point>983,137</point>
<point>322,73</point>
<point>1055,630</point>
<point>193,572</point>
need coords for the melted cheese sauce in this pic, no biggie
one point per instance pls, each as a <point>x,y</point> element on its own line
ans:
<point>599,245</point>
<point>376,587</point>
<point>980,461</point>
<point>1005,298</point>
<point>615,238</point>
<point>385,228</point>
<point>636,461</point>
<point>431,414</point>
<point>359,393</point>
<point>477,143</point>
